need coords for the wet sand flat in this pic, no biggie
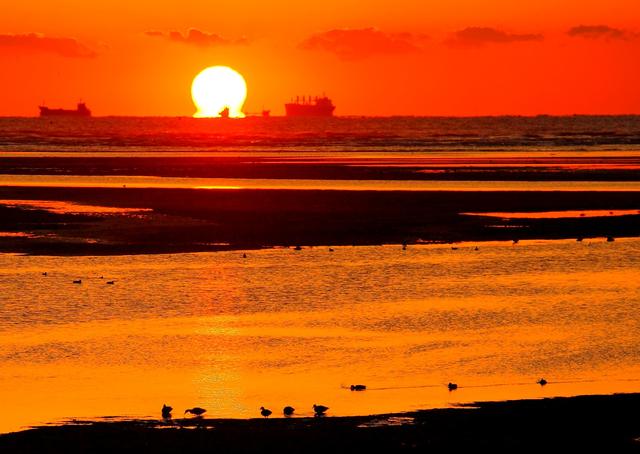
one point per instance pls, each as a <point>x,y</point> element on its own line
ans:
<point>179,220</point>
<point>577,424</point>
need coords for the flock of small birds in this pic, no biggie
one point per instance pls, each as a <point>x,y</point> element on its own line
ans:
<point>79,281</point>
<point>288,411</point>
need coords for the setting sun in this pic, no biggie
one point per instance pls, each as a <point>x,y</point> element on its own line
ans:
<point>217,88</point>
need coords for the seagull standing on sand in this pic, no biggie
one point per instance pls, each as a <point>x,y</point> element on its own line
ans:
<point>166,411</point>
<point>320,410</point>
<point>265,412</point>
<point>288,411</point>
<point>196,411</point>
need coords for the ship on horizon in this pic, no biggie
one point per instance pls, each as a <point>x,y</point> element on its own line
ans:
<point>310,107</point>
<point>81,111</point>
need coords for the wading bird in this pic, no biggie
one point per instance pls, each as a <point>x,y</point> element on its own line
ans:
<point>166,411</point>
<point>358,387</point>
<point>288,411</point>
<point>265,412</point>
<point>452,386</point>
<point>542,382</point>
<point>196,411</point>
<point>319,410</point>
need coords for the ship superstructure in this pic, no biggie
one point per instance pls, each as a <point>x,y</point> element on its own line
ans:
<point>310,107</point>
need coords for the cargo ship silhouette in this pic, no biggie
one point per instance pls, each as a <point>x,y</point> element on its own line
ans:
<point>310,107</point>
<point>80,111</point>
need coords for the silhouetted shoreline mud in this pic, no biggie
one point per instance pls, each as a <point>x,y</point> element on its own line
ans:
<point>518,167</point>
<point>189,220</point>
<point>575,424</point>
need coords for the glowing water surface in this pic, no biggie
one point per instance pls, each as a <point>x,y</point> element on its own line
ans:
<point>285,327</point>
<point>124,181</point>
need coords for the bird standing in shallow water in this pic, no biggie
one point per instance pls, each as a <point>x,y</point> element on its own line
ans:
<point>452,386</point>
<point>78,281</point>
<point>288,411</point>
<point>265,412</point>
<point>196,411</point>
<point>358,387</point>
<point>319,410</point>
<point>542,382</point>
<point>166,411</point>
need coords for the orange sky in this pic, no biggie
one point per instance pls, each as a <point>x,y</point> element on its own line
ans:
<point>412,57</point>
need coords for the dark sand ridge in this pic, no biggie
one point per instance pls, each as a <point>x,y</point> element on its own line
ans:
<point>583,168</point>
<point>576,424</point>
<point>199,220</point>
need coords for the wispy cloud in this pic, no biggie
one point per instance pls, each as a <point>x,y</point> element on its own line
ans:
<point>196,37</point>
<point>481,36</point>
<point>37,43</point>
<point>353,44</point>
<point>599,32</point>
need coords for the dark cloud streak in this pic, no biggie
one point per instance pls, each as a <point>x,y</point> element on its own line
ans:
<point>481,36</point>
<point>36,43</point>
<point>196,38</point>
<point>598,32</point>
<point>355,44</point>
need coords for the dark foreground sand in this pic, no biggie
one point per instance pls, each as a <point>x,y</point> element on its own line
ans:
<point>605,424</point>
<point>183,220</point>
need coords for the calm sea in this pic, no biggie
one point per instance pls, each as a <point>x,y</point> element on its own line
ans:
<point>285,327</point>
<point>401,134</point>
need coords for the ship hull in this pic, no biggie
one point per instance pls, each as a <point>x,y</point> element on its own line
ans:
<point>308,110</point>
<point>46,112</point>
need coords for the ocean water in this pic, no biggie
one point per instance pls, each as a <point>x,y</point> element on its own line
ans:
<point>396,134</point>
<point>285,327</point>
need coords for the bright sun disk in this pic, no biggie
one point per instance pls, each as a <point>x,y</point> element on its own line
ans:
<point>217,88</point>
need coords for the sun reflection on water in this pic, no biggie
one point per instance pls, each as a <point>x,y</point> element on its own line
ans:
<point>296,328</point>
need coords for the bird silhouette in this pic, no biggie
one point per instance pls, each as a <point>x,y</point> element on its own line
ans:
<point>452,386</point>
<point>265,412</point>
<point>166,411</point>
<point>78,281</point>
<point>358,387</point>
<point>44,274</point>
<point>111,282</point>
<point>542,382</point>
<point>196,411</point>
<point>288,411</point>
<point>319,410</point>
